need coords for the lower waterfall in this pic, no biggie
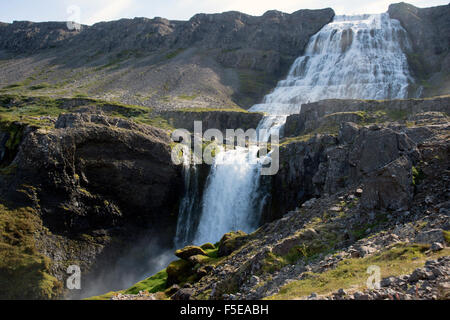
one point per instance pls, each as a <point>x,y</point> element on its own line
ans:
<point>357,57</point>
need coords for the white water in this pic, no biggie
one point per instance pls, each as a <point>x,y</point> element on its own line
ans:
<point>352,57</point>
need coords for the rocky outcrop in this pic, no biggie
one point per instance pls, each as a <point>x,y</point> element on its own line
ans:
<point>311,166</point>
<point>330,113</point>
<point>98,186</point>
<point>26,36</point>
<point>221,120</point>
<point>429,58</point>
<point>389,187</point>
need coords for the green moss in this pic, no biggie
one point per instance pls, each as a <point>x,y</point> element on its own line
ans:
<point>40,86</point>
<point>208,246</point>
<point>400,259</point>
<point>187,97</point>
<point>447,236</point>
<point>174,53</point>
<point>24,272</point>
<point>152,284</point>
<point>417,175</point>
<point>178,271</point>
<point>106,296</point>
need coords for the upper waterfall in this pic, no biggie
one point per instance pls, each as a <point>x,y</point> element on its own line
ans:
<point>356,57</point>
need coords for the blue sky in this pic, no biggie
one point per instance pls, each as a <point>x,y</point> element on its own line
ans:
<point>92,11</point>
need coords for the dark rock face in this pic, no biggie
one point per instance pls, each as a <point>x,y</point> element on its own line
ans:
<point>332,112</point>
<point>99,185</point>
<point>378,157</point>
<point>428,29</point>
<point>220,120</point>
<point>278,31</point>
<point>390,187</point>
<point>26,36</point>
<point>93,153</point>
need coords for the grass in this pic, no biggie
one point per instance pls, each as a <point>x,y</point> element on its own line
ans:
<point>152,284</point>
<point>158,282</point>
<point>24,272</point>
<point>30,110</point>
<point>351,273</point>
<point>174,53</point>
<point>187,97</point>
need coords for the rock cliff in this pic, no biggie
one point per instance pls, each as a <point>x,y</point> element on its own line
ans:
<point>429,59</point>
<point>212,60</point>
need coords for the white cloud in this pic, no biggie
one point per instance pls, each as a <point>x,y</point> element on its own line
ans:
<point>110,10</point>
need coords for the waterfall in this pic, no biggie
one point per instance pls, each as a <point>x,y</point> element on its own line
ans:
<point>186,213</point>
<point>357,57</point>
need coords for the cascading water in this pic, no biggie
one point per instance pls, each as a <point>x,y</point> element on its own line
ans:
<point>186,220</point>
<point>357,57</point>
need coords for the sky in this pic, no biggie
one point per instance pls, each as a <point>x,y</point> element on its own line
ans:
<point>92,11</point>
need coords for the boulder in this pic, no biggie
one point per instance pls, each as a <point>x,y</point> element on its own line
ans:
<point>183,294</point>
<point>430,236</point>
<point>178,271</point>
<point>230,242</point>
<point>189,251</point>
<point>207,246</point>
<point>389,187</point>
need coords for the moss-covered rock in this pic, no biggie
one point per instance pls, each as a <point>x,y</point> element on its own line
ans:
<point>207,246</point>
<point>230,242</point>
<point>178,271</point>
<point>189,251</point>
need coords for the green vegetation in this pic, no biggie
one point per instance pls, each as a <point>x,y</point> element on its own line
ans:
<point>40,86</point>
<point>218,109</point>
<point>253,85</point>
<point>174,53</point>
<point>152,284</point>
<point>447,236</point>
<point>36,110</point>
<point>24,272</point>
<point>187,97</point>
<point>417,175</point>
<point>400,259</point>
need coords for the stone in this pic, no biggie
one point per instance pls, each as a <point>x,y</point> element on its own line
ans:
<point>189,251</point>
<point>420,274</point>
<point>389,187</point>
<point>430,236</point>
<point>183,294</point>
<point>436,246</point>
<point>308,204</point>
<point>207,246</point>
<point>308,234</point>
<point>230,242</point>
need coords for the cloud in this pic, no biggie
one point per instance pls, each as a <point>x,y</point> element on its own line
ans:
<point>110,10</point>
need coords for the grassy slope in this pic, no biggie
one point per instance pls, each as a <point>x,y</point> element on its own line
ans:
<point>352,273</point>
<point>24,272</point>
